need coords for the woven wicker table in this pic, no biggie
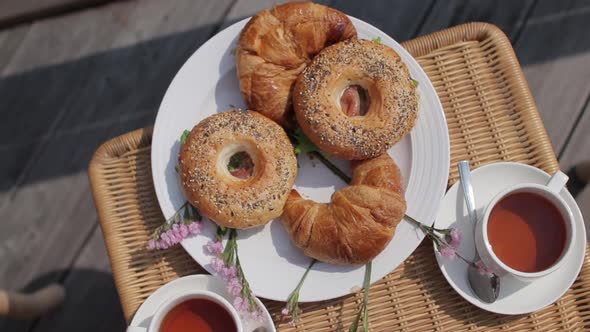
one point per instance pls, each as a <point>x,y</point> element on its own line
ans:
<point>491,117</point>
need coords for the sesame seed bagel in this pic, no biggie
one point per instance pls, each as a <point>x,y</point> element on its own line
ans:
<point>228,200</point>
<point>392,100</point>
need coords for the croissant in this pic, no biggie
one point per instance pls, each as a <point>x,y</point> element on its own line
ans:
<point>359,221</point>
<point>276,45</point>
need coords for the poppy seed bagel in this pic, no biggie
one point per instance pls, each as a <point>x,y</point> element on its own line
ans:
<point>228,200</point>
<point>391,94</point>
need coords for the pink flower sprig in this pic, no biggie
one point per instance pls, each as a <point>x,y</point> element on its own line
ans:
<point>292,308</point>
<point>226,263</point>
<point>184,223</point>
<point>445,240</point>
<point>482,269</point>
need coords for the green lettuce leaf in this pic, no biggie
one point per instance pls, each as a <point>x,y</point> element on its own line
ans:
<point>304,144</point>
<point>184,136</point>
<point>234,162</point>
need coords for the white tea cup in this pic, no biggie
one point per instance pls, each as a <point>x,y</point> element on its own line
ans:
<point>175,300</point>
<point>550,191</point>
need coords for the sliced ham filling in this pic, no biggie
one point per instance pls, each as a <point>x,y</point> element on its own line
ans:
<point>354,101</point>
<point>241,165</point>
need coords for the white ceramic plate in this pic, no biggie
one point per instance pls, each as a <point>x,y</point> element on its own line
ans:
<point>146,311</point>
<point>516,297</point>
<point>207,83</point>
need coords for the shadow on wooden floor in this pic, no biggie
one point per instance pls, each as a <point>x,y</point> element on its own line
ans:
<point>105,94</point>
<point>91,304</point>
<point>119,90</point>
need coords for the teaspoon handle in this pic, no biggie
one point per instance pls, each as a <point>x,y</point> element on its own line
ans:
<point>465,175</point>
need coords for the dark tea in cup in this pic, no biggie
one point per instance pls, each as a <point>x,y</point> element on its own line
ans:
<point>198,314</point>
<point>527,232</point>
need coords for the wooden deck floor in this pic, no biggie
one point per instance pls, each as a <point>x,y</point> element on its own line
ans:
<point>70,82</point>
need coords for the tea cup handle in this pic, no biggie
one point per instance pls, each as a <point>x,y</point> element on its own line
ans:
<point>136,329</point>
<point>557,182</point>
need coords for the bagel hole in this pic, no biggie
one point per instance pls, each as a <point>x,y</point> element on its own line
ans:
<point>355,100</point>
<point>241,165</point>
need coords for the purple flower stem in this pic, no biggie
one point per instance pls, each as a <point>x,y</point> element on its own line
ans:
<point>172,219</point>
<point>332,167</point>
<point>338,172</point>
<point>305,275</point>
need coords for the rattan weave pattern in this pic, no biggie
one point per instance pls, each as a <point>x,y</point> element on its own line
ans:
<point>491,117</point>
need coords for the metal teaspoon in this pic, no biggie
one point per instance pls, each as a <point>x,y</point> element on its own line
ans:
<point>484,286</point>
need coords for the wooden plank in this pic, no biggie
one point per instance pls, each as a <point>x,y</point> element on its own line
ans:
<point>103,93</point>
<point>406,19</point>
<point>93,255</point>
<point>49,219</point>
<point>550,70</point>
<point>402,19</point>
<point>399,19</point>
<point>36,92</point>
<point>245,8</point>
<point>43,90</point>
<point>508,15</point>
<point>92,303</point>
<point>10,39</point>
<point>116,25</point>
<point>63,77</point>
<point>17,11</point>
<point>576,151</point>
<point>147,68</point>
<point>554,50</point>
<point>583,201</point>
<point>16,147</point>
<point>578,145</point>
<point>32,105</point>
<point>78,107</point>
<point>54,205</point>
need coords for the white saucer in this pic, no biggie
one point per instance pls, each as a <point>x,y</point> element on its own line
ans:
<point>516,297</point>
<point>144,314</point>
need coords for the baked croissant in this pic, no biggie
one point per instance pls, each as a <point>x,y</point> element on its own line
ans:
<point>276,45</point>
<point>359,221</point>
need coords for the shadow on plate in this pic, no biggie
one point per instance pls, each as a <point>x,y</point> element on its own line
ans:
<point>170,174</point>
<point>284,246</point>
<point>247,233</point>
<point>227,90</point>
<point>322,176</point>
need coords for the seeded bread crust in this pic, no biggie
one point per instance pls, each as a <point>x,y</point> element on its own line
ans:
<point>393,99</point>
<point>227,200</point>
